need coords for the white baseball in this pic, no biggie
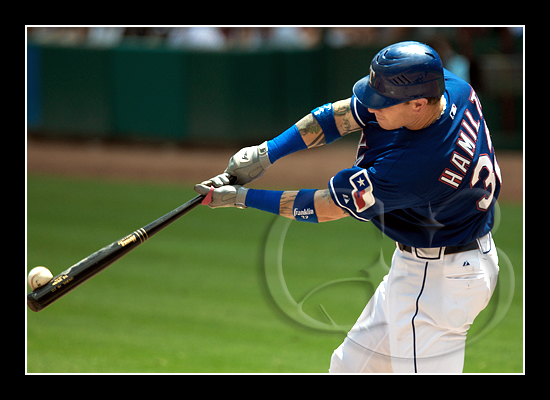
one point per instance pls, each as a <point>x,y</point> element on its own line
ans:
<point>38,277</point>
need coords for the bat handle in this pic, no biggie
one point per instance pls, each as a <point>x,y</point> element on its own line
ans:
<point>208,197</point>
<point>232,179</point>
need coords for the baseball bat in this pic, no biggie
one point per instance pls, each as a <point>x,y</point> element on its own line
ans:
<point>90,266</point>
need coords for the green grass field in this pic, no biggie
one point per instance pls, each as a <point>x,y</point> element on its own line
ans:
<point>194,298</point>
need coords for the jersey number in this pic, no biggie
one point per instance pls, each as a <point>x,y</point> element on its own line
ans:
<point>484,162</point>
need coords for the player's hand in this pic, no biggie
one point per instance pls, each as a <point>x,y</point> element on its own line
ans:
<point>223,196</point>
<point>219,180</point>
<point>248,164</point>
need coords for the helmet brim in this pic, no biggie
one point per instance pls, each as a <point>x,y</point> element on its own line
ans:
<point>369,98</point>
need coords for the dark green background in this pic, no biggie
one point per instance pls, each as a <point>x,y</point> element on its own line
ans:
<point>215,98</point>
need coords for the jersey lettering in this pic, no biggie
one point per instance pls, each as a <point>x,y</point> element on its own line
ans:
<point>462,163</point>
<point>451,178</point>
<point>470,130</point>
<point>467,141</point>
<point>474,123</point>
<point>467,144</point>
<point>474,99</point>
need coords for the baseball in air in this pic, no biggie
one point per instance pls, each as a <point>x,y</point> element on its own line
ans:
<point>38,277</point>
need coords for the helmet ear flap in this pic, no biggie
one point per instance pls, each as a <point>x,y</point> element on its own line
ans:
<point>401,72</point>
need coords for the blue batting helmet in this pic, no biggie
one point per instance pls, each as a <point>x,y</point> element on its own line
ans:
<point>399,73</point>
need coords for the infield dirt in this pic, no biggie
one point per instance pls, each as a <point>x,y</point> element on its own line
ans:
<point>188,165</point>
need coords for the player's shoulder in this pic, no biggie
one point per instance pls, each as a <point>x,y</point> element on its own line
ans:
<point>457,88</point>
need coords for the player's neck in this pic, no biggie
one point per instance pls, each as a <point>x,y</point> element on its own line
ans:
<point>428,116</point>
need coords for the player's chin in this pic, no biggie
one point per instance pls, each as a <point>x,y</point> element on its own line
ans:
<point>384,124</point>
<point>387,125</point>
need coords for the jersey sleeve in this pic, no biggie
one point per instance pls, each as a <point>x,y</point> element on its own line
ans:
<point>351,189</point>
<point>364,195</point>
<point>360,113</point>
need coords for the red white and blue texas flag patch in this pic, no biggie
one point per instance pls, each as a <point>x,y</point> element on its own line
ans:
<point>362,191</point>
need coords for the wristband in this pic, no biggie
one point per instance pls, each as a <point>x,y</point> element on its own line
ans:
<point>303,208</point>
<point>265,200</point>
<point>287,142</point>
<point>325,117</point>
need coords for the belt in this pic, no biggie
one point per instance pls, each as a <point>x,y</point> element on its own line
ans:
<point>448,250</point>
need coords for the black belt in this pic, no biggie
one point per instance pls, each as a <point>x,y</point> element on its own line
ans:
<point>448,250</point>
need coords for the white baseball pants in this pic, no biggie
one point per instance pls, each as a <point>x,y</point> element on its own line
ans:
<point>417,320</point>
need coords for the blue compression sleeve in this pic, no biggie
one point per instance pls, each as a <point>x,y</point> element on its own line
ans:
<point>287,142</point>
<point>291,140</point>
<point>265,200</point>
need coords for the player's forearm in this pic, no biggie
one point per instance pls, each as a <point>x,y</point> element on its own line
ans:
<point>306,205</point>
<point>324,208</point>
<point>322,126</point>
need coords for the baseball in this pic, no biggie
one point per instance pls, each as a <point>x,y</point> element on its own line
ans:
<point>38,277</point>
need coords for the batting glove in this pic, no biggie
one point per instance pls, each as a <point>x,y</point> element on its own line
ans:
<point>248,164</point>
<point>224,196</point>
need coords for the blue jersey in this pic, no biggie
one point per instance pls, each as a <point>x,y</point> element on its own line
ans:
<point>432,187</point>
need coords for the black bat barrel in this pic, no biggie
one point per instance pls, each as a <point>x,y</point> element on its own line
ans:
<point>85,269</point>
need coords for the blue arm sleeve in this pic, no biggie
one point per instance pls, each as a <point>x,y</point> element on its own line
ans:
<point>265,200</point>
<point>291,140</point>
<point>287,142</point>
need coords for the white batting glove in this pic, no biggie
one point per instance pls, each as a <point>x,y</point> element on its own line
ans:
<point>248,164</point>
<point>218,180</point>
<point>224,196</point>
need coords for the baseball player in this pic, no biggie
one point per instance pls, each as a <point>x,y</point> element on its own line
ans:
<point>426,175</point>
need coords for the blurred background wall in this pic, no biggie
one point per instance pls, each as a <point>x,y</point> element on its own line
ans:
<point>237,86</point>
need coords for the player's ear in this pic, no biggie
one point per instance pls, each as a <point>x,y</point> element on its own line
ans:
<point>419,104</point>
